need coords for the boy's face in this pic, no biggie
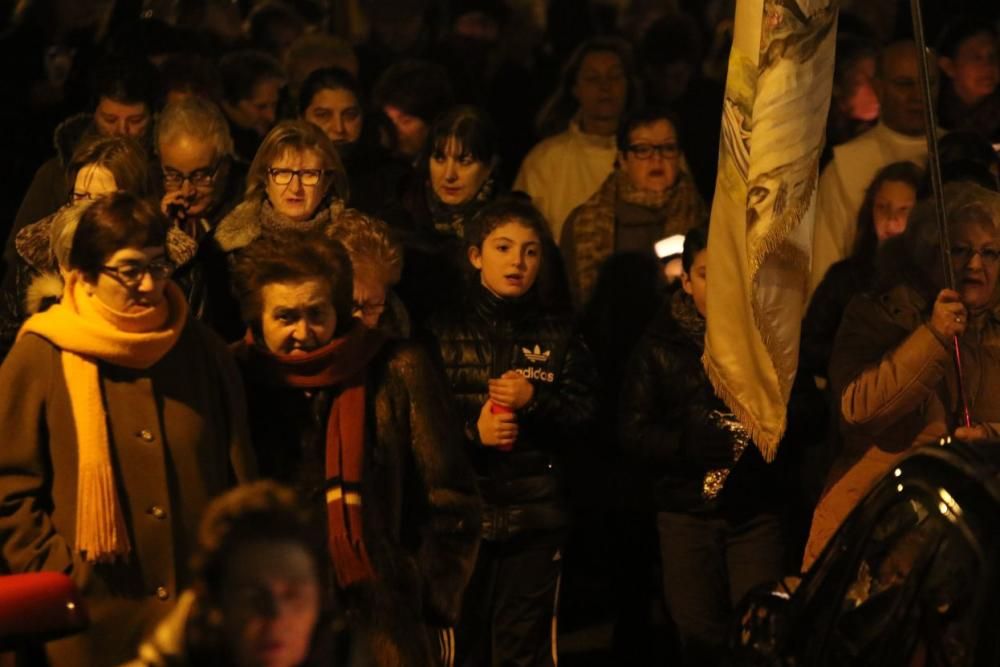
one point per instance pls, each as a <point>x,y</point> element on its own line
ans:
<point>695,281</point>
<point>509,259</point>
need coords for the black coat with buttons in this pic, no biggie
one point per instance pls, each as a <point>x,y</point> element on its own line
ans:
<point>486,336</point>
<point>178,437</point>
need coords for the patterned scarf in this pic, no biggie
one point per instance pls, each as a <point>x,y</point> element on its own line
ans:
<point>339,364</point>
<point>451,218</point>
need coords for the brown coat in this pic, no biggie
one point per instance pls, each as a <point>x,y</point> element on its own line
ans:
<point>897,386</point>
<point>178,437</point>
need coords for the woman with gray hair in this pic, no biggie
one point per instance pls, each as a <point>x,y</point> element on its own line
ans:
<point>892,371</point>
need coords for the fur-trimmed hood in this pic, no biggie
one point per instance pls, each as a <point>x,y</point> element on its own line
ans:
<point>251,218</point>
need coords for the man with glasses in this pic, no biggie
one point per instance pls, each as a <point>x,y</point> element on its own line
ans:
<point>202,182</point>
<point>649,196</point>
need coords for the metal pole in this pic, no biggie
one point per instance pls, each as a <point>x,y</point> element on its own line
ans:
<point>937,187</point>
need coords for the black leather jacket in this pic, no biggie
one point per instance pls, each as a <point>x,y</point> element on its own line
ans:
<point>487,336</point>
<point>666,400</point>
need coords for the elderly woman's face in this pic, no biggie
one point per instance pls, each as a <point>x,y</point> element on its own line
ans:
<point>132,279</point>
<point>296,183</point>
<point>652,158</point>
<point>270,604</point>
<point>297,317</point>
<point>975,252</point>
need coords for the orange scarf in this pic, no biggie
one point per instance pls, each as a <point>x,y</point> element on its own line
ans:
<point>87,331</point>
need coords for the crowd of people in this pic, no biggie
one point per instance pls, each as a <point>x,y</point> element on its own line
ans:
<point>372,335</point>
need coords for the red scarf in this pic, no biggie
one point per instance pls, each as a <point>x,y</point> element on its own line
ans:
<point>340,364</point>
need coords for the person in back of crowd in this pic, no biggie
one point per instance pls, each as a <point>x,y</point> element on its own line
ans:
<point>525,386</point>
<point>124,417</point>
<point>272,26</point>
<point>316,51</point>
<point>411,93</point>
<point>892,370</point>
<point>399,30</point>
<point>650,195</point>
<point>716,498</point>
<point>123,97</point>
<point>670,55</point>
<point>201,182</point>
<point>970,97</point>
<point>854,107</point>
<point>454,180</point>
<point>296,181</point>
<point>252,83</point>
<point>260,592</point>
<point>898,136</point>
<point>100,165</point>
<point>185,75</point>
<point>580,120</point>
<point>884,214</point>
<point>362,427</point>
<point>331,99</point>
<point>377,264</point>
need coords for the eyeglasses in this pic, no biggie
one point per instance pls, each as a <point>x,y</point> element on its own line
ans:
<point>130,275</point>
<point>368,309</point>
<point>199,178</point>
<point>307,177</point>
<point>964,254</point>
<point>645,151</point>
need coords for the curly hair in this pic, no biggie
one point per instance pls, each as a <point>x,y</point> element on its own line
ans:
<point>372,249</point>
<point>293,257</point>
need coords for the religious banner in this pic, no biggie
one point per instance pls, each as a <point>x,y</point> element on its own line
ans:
<point>773,128</point>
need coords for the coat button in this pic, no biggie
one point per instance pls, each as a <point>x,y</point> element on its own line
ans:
<point>157,512</point>
<point>145,435</point>
<point>162,593</point>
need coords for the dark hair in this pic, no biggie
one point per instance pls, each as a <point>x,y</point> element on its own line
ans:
<point>673,38</point>
<point>557,111</point>
<point>473,130</point>
<point>192,74</point>
<point>290,257</point>
<point>120,220</point>
<point>242,70</point>
<point>123,157</point>
<point>127,81</point>
<point>967,156</point>
<point>416,87</point>
<point>262,511</point>
<point>960,29</point>
<point>328,78</point>
<point>640,117</point>
<point>695,241</point>
<point>508,208</point>
<point>265,17</point>
<point>866,245</point>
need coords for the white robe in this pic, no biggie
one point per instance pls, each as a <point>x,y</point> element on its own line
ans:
<point>561,172</point>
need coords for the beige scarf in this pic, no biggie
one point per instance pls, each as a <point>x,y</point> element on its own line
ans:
<point>87,331</point>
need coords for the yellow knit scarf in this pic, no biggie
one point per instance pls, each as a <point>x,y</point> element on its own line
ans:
<point>87,331</point>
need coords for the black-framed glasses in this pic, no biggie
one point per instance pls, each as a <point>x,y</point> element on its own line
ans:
<point>307,177</point>
<point>645,151</point>
<point>199,178</point>
<point>964,254</point>
<point>131,274</point>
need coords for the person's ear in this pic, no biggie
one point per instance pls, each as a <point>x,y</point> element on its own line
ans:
<point>686,283</point>
<point>475,257</point>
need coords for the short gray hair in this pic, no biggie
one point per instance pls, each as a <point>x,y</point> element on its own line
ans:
<point>194,117</point>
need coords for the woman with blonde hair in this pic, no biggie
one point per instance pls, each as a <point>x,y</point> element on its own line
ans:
<point>296,181</point>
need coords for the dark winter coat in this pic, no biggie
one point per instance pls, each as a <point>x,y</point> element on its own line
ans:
<point>522,488</point>
<point>666,402</point>
<point>421,508</point>
<point>178,437</point>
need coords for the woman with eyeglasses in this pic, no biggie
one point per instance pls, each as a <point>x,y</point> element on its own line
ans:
<point>98,167</point>
<point>892,369</point>
<point>296,182</point>
<point>123,417</point>
<point>650,195</point>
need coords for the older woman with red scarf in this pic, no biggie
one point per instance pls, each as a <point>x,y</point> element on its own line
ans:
<point>361,425</point>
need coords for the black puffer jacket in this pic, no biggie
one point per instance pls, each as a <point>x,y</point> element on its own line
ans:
<point>521,488</point>
<point>666,402</point>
